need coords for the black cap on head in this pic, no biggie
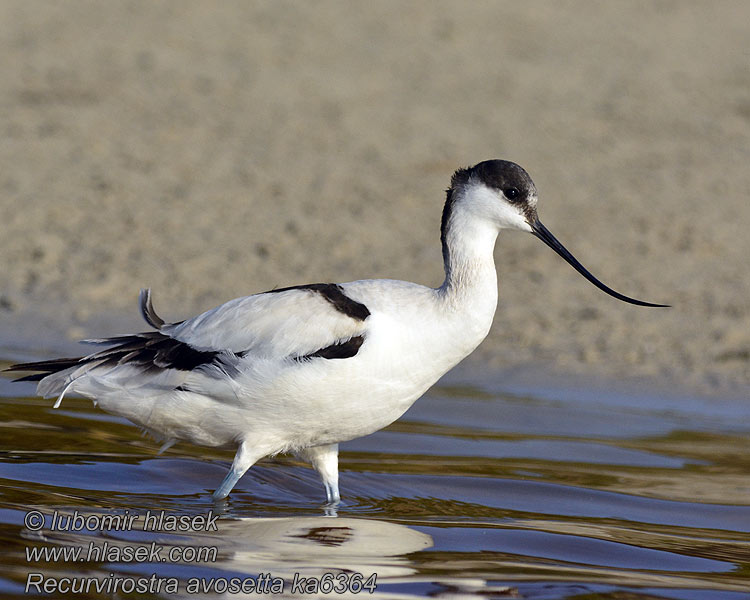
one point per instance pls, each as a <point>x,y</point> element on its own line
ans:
<point>500,175</point>
<point>508,177</point>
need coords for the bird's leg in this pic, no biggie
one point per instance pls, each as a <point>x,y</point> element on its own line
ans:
<point>325,460</point>
<point>243,460</point>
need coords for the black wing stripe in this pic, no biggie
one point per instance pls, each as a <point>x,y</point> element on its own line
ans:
<point>334,293</point>
<point>345,349</point>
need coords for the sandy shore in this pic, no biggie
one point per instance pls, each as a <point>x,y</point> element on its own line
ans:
<point>215,150</point>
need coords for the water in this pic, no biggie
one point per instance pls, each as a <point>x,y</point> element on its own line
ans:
<point>484,489</point>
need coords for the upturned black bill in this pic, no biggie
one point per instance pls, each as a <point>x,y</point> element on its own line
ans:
<point>544,234</point>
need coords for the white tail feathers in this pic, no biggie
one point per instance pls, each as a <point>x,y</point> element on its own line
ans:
<point>59,400</point>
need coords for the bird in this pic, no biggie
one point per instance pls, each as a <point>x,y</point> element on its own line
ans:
<point>302,369</point>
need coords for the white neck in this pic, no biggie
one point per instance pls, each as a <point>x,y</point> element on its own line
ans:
<point>470,276</point>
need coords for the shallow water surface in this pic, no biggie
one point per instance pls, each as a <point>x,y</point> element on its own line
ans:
<point>483,489</point>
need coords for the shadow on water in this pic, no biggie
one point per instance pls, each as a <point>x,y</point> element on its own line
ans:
<point>478,491</point>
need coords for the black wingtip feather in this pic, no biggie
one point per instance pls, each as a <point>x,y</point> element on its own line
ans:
<point>43,367</point>
<point>56,364</point>
<point>34,377</point>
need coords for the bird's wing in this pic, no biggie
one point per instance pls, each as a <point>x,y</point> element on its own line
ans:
<point>304,321</point>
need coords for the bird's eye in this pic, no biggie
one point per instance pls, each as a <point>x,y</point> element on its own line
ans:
<point>511,193</point>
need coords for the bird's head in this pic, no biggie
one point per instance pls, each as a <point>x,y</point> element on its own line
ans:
<point>501,192</point>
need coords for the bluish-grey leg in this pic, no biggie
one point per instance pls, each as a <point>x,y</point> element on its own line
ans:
<point>325,460</point>
<point>243,460</point>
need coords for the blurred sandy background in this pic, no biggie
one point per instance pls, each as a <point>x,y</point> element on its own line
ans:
<point>211,150</point>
